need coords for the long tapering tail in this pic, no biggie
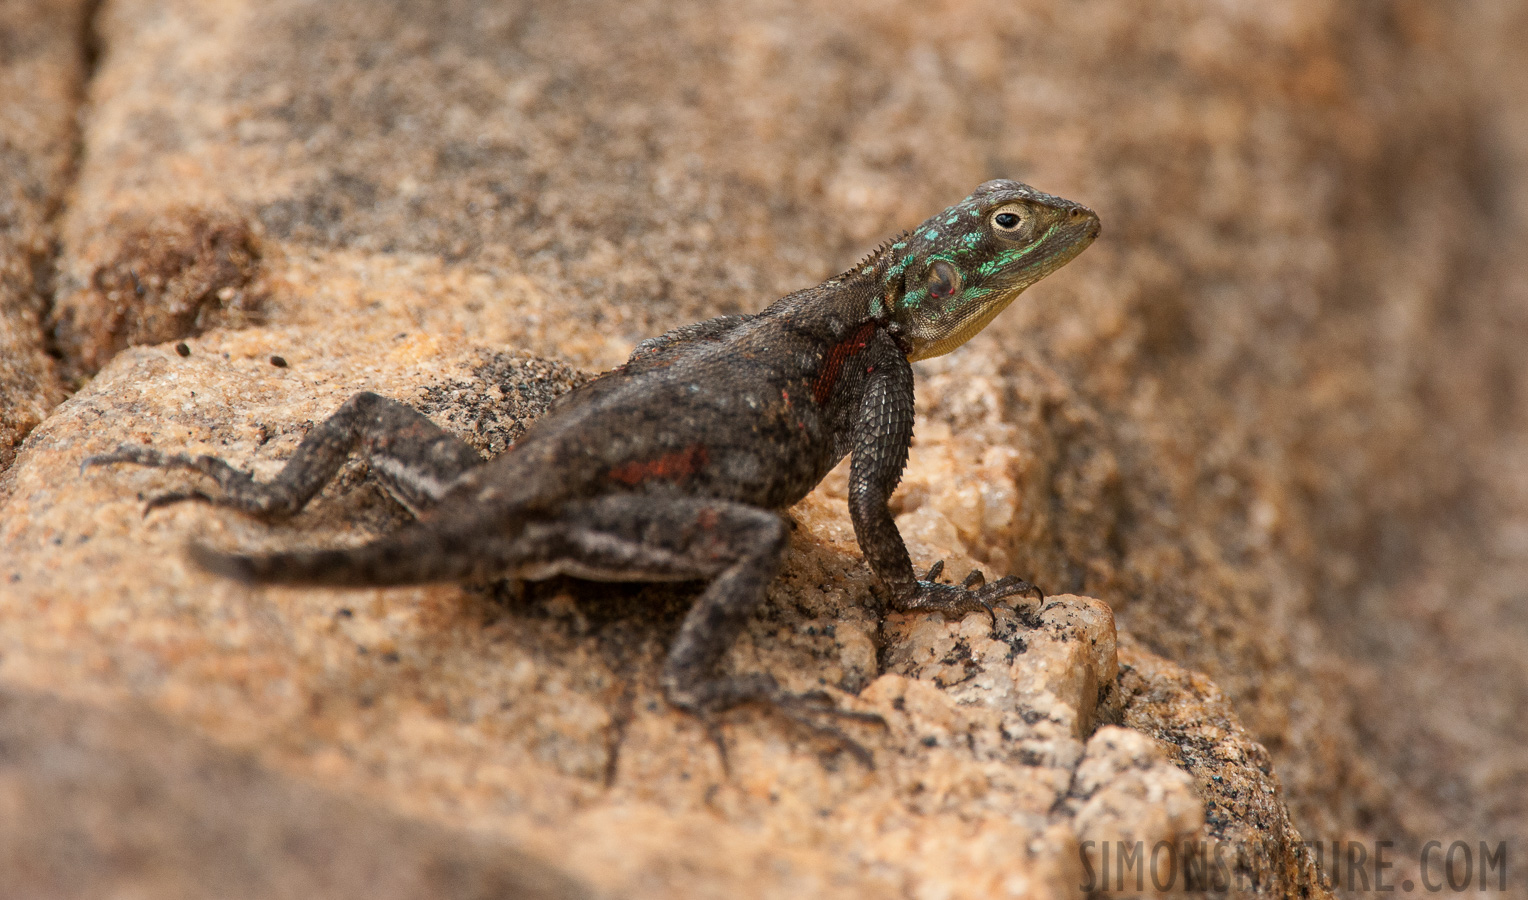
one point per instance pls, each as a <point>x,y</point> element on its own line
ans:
<point>412,556</point>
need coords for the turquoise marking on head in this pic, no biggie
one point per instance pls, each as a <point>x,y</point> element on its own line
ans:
<point>914,298</point>
<point>997,264</point>
<point>998,241</point>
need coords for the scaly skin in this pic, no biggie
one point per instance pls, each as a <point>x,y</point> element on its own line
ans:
<point>672,466</point>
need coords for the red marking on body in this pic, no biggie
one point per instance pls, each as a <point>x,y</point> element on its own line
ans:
<point>838,354</point>
<point>674,466</point>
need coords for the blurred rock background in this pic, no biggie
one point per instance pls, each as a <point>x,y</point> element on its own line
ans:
<point>1275,417</point>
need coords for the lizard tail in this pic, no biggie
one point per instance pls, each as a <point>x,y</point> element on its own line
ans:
<point>412,556</point>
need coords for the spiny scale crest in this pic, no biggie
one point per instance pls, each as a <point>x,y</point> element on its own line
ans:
<point>867,265</point>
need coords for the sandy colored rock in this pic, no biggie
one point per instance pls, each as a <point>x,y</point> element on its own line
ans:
<point>1243,807</point>
<point>1273,418</point>
<point>537,719</point>
<point>121,802</point>
<point>1127,794</point>
<point>42,68</point>
<point>174,273</point>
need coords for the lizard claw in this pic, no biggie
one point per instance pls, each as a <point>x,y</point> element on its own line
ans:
<point>236,488</point>
<point>211,466</point>
<point>126,453</point>
<point>153,459</point>
<point>173,498</point>
<point>1013,586</point>
<point>974,579</point>
<point>823,702</point>
<point>931,596</point>
<point>713,728</point>
<point>973,595</point>
<point>805,710</point>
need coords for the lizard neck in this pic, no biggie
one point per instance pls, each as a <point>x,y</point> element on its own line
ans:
<point>844,302</point>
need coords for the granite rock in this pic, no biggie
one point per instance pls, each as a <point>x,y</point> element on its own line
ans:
<point>533,716</point>
<point>123,802</point>
<point>42,71</point>
<point>1273,418</point>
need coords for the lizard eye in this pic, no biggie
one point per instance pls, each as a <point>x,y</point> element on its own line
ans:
<point>1010,221</point>
<point>943,279</point>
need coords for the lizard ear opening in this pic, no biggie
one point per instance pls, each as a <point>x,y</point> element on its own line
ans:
<point>943,279</point>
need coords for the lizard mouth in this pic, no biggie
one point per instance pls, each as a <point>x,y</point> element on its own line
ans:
<point>1095,227</point>
<point>1064,239</point>
<point>1070,231</point>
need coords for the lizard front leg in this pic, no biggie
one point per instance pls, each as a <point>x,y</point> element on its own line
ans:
<point>413,457</point>
<point>883,431</point>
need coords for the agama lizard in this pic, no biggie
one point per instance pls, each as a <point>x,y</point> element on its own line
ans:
<point>672,466</point>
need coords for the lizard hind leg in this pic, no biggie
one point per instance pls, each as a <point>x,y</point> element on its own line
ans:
<point>735,546</point>
<point>741,545</point>
<point>416,461</point>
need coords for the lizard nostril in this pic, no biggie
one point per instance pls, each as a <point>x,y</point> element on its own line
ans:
<point>1078,215</point>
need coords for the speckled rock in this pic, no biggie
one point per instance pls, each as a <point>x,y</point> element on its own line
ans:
<point>1274,418</point>
<point>121,802</point>
<point>1243,808</point>
<point>42,69</point>
<point>536,718</point>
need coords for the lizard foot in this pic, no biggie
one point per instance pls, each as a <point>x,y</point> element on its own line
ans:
<point>148,456</point>
<point>805,710</point>
<point>237,489</point>
<point>174,497</point>
<point>973,595</point>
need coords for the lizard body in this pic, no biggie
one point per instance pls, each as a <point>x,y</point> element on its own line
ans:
<point>673,465</point>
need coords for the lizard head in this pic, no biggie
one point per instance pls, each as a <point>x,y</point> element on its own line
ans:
<point>946,280</point>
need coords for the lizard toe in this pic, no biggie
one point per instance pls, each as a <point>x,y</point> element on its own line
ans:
<point>173,498</point>
<point>1011,586</point>
<point>126,453</point>
<point>807,711</point>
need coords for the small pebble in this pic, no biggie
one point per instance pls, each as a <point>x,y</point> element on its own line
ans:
<point>182,349</point>
<point>278,362</point>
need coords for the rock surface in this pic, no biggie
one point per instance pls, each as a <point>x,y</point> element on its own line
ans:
<point>1273,418</point>
<point>537,719</point>
<point>42,70</point>
<point>125,803</point>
